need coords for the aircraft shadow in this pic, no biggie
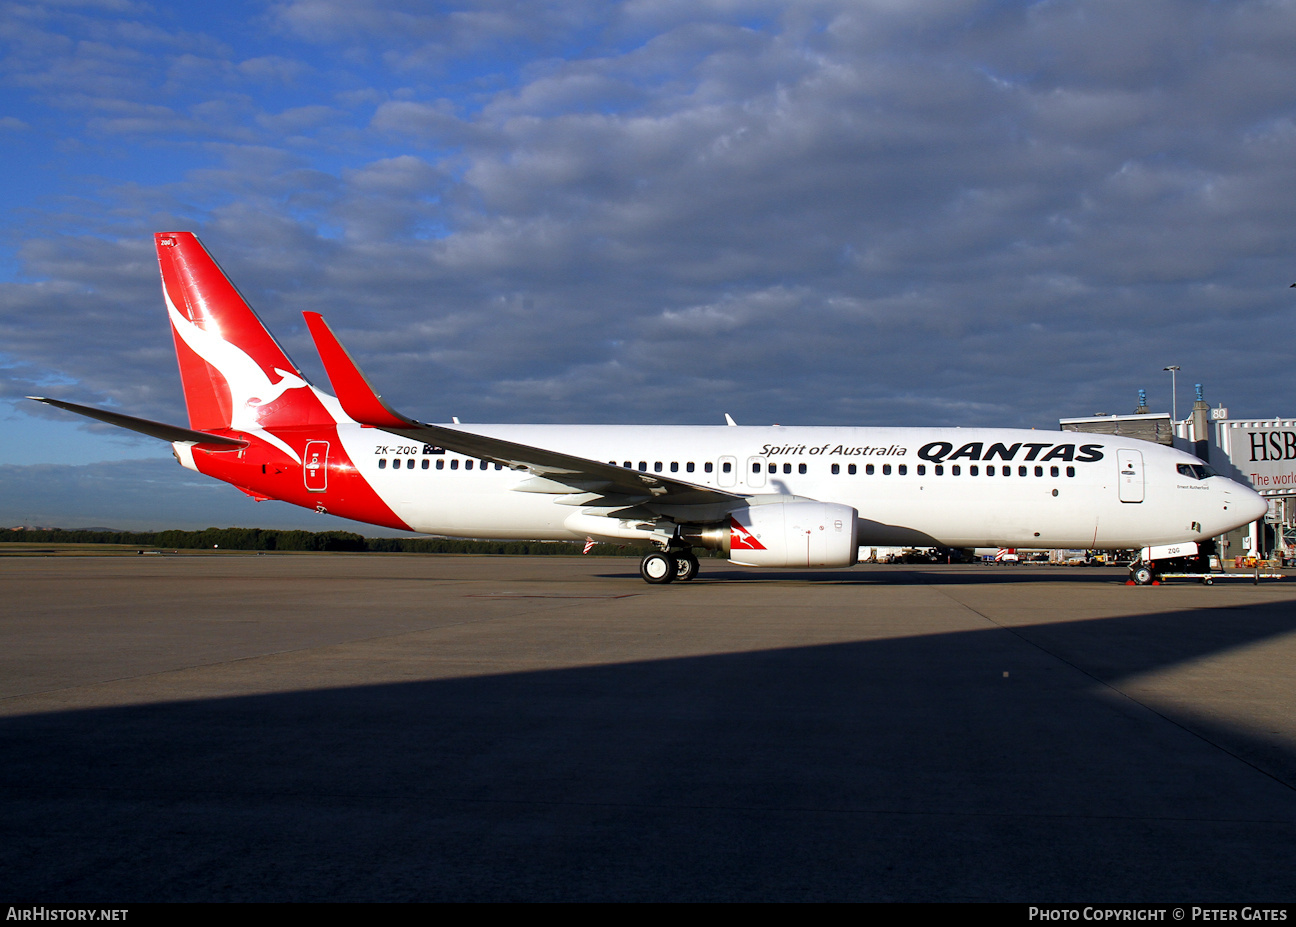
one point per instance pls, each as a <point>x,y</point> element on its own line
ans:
<point>978,765</point>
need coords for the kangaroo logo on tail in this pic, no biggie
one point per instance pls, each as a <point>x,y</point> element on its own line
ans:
<point>249,386</point>
<point>233,370</point>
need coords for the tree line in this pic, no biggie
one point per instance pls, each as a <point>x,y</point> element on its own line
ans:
<point>268,539</point>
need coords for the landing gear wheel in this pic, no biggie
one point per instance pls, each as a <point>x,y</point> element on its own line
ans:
<point>686,567</point>
<point>1142,575</point>
<point>657,567</point>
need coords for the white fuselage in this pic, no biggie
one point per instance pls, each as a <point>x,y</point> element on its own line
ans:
<point>911,486</point>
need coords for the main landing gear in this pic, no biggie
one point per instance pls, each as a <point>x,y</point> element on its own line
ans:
<point>667,566</point>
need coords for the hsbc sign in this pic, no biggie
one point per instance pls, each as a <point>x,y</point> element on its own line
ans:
<point>1266,452</point>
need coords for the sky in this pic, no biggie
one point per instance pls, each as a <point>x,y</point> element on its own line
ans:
<point>854,213</point>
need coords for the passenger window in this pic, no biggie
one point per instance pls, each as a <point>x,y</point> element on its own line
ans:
<point>643,466</point>
<point>1053,471</point>
<point>382,463</point>
<point>674,466</point>
<point>468,464</point>
<point>454,465</point>
<point>990,471</point>
<point>903,469</point>
<point>626,465</point>
<point>1039,471</point>
<point>409,464</point>
<point>868,469</point>
<point>922,469</point>
<point>940,470</point>
<point>426,463</point>
<point>1070,471</point>
<point>657,466</point>
<point>441,464</point>
<point>974,470</point>
<point>727,467</point>
<point>707,466</point>
<point>689,466</point>
<point>836,468</point>
<point>850,468</point>
<point>886,469</point>
<point>955,470</point>
<point>801,468</point>
<point>756,468</point>
<point>1021,471</point>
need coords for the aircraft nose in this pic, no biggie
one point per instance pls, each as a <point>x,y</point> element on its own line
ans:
<point>1252,503</point>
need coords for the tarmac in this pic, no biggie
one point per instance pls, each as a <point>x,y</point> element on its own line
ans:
<point>388,727</point>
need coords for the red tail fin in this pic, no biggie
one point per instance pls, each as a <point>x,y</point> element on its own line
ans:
<point>234,373</point>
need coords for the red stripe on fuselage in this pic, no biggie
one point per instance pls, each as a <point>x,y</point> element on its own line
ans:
<point>265,470</point>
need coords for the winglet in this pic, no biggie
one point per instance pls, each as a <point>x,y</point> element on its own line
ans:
<point>358,397</point>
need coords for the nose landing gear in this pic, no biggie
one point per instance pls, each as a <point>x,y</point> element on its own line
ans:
<point>1189,559</point>
<point>1142,575</point>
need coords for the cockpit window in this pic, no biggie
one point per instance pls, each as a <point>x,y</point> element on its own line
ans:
<point>1196,471</point>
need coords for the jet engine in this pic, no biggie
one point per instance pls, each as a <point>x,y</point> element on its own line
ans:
<point>782,534</point>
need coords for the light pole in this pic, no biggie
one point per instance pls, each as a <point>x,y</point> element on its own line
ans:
<point>1174,395</point>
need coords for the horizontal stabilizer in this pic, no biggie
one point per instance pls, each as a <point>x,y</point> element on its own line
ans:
<point>143,426</point>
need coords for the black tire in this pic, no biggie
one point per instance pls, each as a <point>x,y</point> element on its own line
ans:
<point>657,568</point>
<point>686,567</point>
<point>1142,575</point>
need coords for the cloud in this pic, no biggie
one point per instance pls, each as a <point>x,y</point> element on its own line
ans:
<point>945,213</point>
<point>434,123</point>
<point>298,119</point>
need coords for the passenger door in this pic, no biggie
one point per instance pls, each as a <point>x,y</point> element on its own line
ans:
<point>315,469</point>
<point>1129,463</point>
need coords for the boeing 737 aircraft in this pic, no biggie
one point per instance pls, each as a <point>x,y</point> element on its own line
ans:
<point>765,496</point>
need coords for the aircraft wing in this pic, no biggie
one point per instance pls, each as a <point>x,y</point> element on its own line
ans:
<point>553,471</point>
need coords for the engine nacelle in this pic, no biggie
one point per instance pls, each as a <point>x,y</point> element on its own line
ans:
<point>783,534</point>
